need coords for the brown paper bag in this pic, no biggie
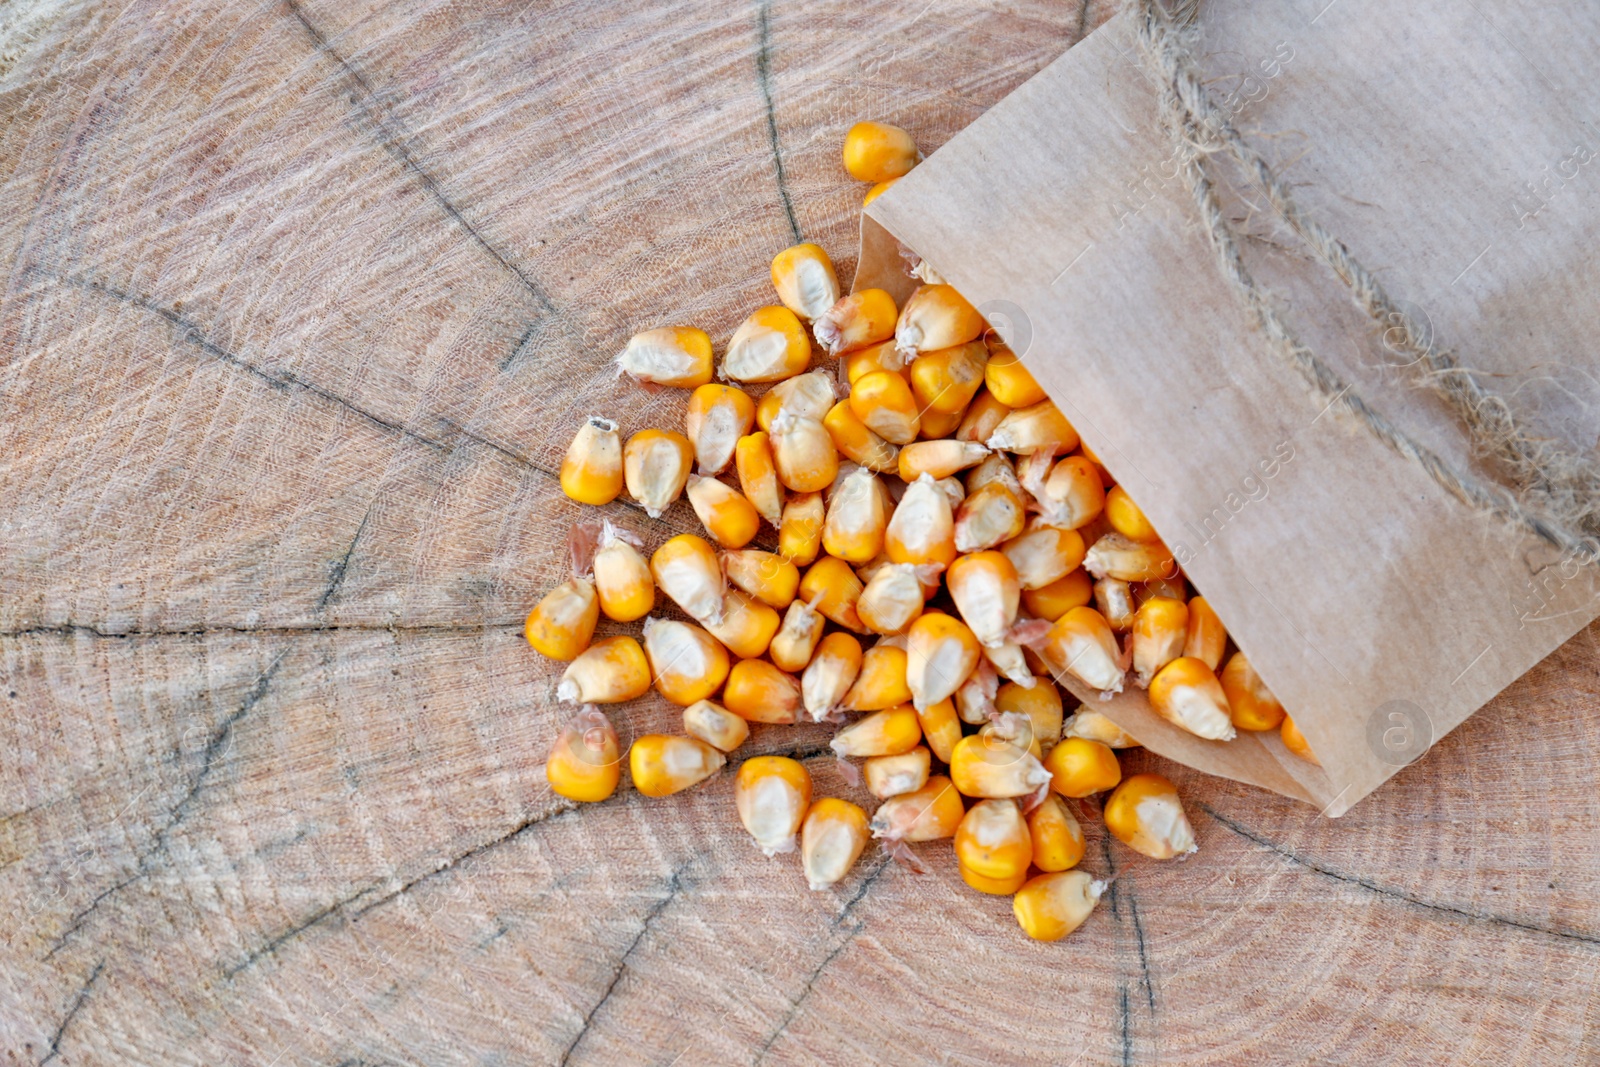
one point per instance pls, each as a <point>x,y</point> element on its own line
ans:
<point>1452,147</point>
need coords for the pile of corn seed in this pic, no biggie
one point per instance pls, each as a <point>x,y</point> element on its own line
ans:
<point>943,509</point>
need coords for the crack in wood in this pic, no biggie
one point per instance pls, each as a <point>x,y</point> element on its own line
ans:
<point>764,80</point>
<point>72,1012</point>
<point>1120,896</point>
<point>336,576</point>
<point>1401,895</point>
<point>73,629</point>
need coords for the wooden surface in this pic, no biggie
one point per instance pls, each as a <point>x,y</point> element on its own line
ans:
<point>301,305</point>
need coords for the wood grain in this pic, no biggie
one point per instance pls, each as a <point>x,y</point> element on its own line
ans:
<point>302,303</point>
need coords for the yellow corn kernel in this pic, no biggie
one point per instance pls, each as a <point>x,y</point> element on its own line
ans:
<point>832,588</point>
<point>804,453</point>
<point>877,191</point>
<point>878,152</point>
<point>621,576</point>
<point>883,356</point>
<point>1012,727</point>
<point>892,599</point>
<point>766,576</point>
<point>1172,588</point>
<point>1114,600</point>
<point>985,590</point>
<point>1050,602</point>
<point>1072,495</point>
<point>655,468</point>
<point>1040,702</point>
<point>889,732</point>
<point>1038,428</point>
<point>940,653</point>
<point>1051,906</point>
<point>922,529</point>
<point>769,346</point>
<point>800,531</point>
<point>718,416</point>
<point>807,395</point>
<point>1058,842</point>
<point>585,763</point>
<point>796,640</point>
<point>1187,694</point>
<point>664,764</point>
<point>1114,556</point>
<point>860,320</point>
<point>1011,659</point>
<point>885,405</point>
<point>1145,814</point>
<point>933,812</point>
<point>1159,631</point>
<point>591,472</point>
<point>938,459</point>
<point>562,624</point>
<point>991,766</point>
<point>1007,379</point>
<point>805,282</point>
<point>678,356</point>
<point>747,625</point>
<point>715,725</point>
<point>1043,554</point>
<point>758,476</point>
<point>954,491</point>
<point>730,519</point>
<point>880,680</point>
<point>946,380</point>
<point>858,515</point>
<point>1081,768</point>
<point>996,467</point>
<point>772,794</point>
<point>607,672</point>
<point>759,692</point>
<point>904,772</point>
<point>1096,726</point>
<point>941,728</point>
<point>1126,518</point>
<point>857,442</point>
<point>983,416</point>
<point>686,662</point>
<point>830,675</point>
<point>1251,704</point>
<point>1000,887</point>
<point>1207,636</point>
<point>832,838</point>
<point>993,840</point>
<point>686,569</point>
<point>975,696</point>
<point>1296,742</point>
<point>988,516</point>
<point>935,317</point>
<point>935,425</point>
<point>1081,644</point>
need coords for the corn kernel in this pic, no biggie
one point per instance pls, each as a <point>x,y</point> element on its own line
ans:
<point>833,589</point>
<point>860,320</point>
<point>607,672</point>
<point>996,467</point>
<point>945,380</point>
<point>1038,428</point>
<point>1251,704</point>
<point>935,317</point>
<point>1080,768</point>
<point>889,732</point>
<point>893,597</point>
<point>985,590</point>
<point>830,675</point>
<point>858,515</point>
<point>1113,599</point>
<point>591,472</point>
<point>856,441</point>
<point>1126,518</point>
<point>686,569</point>
<point>758,476</point>
<point>885,405</point>
<point>1081,644</point>
<point>772,794</point>
<point>1050,602</point>
<point>730,519</point>
<point>1051,906</point>
<point>1114,556</point>
<point>800,531</point>
<point>1296,742</point>
<point>929,814</point>
<point>766,576</point>
<point>940,653</point>
<point>988,516</point>
<point>1058,843</point>
<point>991,766</point>
<point>678,356</point>
<point>804,279</point>
<point>664,764</point>
<point>938,459</point>
<point>796,640</point>
<point>882,356</point>
<point>941,729</point>
<point>881,680</point>
<point>621,576</point>
<point>1173,588</point>
<point>655,467</point>
<point>1043,554</point>
<point>718,416</point>
<point>892,775</point>
<point>975,696</point>
<point>804,456</point>
<point>1159,630</point>
<point>982,417</point>
<point>747,625</point>
<point>832,838</point>
<point>993,840</point>
<point>877,191</point>
<point>878,152</point>
<point>759,692</point>
<point>1145,814</point>
<point>1041,703</point>
<point>1007,379</point>
<point>585,763</point>
<point>1096,726</point>
<point>1000,887</point>
<point>715,725</point>
<point>808,395</point>
<point>1207,637</point>
<point>687,663</point>
<point>562,624</point>
<point>769,346</point>
<point>1011,659</point>
<point>922,529</point>
<point>1071,495</point>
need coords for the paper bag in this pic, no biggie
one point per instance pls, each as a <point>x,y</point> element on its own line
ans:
<point>1452,147</point>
